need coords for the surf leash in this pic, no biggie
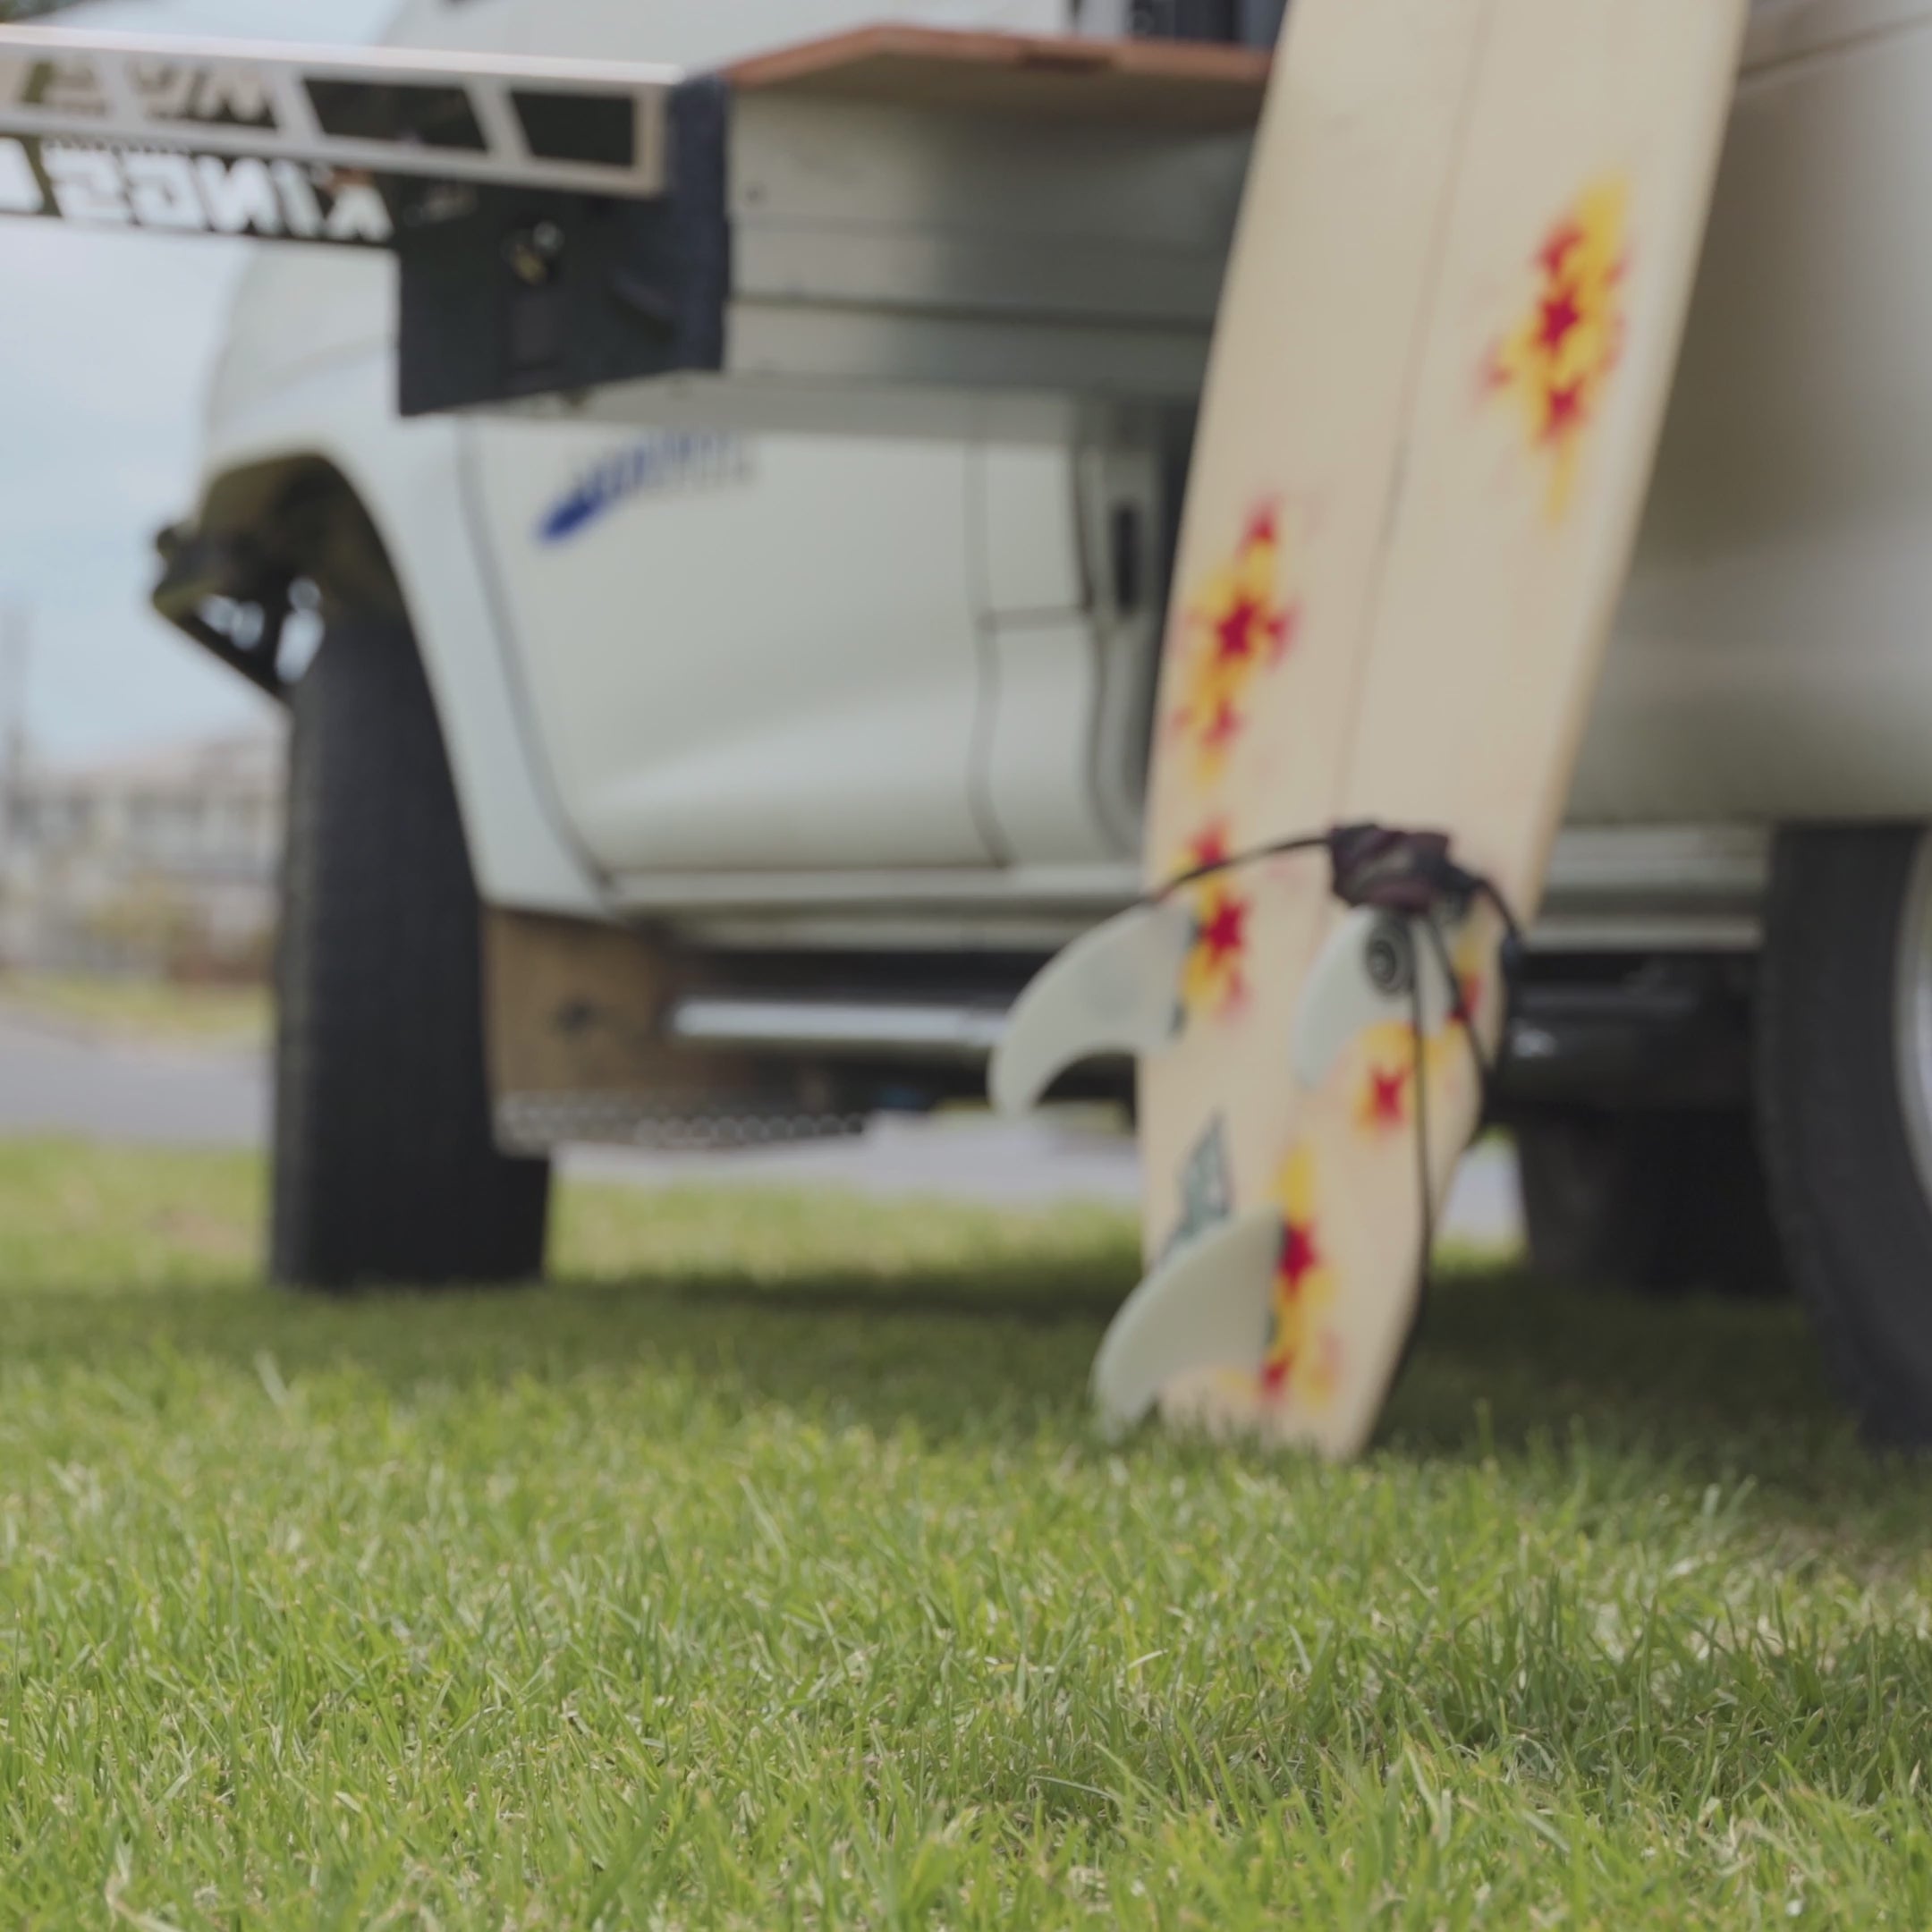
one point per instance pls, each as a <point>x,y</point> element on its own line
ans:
<point>1416,879</point>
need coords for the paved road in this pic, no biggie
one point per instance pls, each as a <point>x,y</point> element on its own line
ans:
<point>55,1078</point>
<point>59,1080</point>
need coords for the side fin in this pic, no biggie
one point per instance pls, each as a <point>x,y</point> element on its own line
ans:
<point>1207,1306</point>
<point>1360,978</point>
<point>1115,990</point>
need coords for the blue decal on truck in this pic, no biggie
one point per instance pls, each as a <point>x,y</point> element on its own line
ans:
<point>673,460</point>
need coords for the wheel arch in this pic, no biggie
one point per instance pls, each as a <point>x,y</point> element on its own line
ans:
<point>338,491</point>
<point>300,516</point>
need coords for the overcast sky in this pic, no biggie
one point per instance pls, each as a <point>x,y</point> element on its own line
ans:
<point>105,351</point>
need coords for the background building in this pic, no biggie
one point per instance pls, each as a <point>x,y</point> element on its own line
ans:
<point>161,861</point>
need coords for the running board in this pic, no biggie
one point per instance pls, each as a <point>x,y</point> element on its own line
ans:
<point>1671,1039</point>
<point>541,1123</point>
<point>955,1035</point>
<point>897,230</point>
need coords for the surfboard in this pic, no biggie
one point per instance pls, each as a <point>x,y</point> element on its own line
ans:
<point>1448,336</point>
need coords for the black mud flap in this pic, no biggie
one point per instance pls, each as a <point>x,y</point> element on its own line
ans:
<point>508,292</point>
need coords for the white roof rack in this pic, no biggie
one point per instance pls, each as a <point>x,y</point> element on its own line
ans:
<point>575,126</point>
<point>895,230</point>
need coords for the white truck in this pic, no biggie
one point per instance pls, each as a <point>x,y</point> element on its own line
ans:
<point>719,778</point>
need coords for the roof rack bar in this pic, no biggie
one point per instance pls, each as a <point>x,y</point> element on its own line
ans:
<point>453,118</point>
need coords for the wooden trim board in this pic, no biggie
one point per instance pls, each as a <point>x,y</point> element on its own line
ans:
<point>1165,83</point>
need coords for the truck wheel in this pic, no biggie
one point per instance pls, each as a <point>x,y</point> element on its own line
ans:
<point>1845,1076</point>
<point>386,1171</point>
<point>1658,1202</point>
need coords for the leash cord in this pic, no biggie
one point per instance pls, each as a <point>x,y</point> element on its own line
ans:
<point>1411,875</point>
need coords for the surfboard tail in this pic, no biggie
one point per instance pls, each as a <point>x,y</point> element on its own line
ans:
<point>1205,1311</point>
<point>1286,1322</point>
<point>1213,1339</point>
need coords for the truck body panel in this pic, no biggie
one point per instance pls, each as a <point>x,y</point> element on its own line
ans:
<point>760,671</point>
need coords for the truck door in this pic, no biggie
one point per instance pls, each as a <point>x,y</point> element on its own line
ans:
<point>744,655</point>
<point>1069,540</point>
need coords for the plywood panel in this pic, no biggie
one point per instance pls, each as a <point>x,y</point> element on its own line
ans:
<point>1166,84</point>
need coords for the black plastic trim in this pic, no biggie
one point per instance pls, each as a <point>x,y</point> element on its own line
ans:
<point>1244,22</point>
<point>232,604</point>
<point>508,292</point>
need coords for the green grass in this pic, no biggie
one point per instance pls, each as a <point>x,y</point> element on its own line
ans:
<point>158,1010</point>
<point>767,1572</point>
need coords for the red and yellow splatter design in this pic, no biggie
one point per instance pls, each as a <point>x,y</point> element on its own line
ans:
<point>1384,1094</point>
<point>1556,365</point>
<point>1212,845</point>
<point>1214,979</point>
<point>1303,1359</point>
<point>1239,626</point>
<point>1386,1102</point>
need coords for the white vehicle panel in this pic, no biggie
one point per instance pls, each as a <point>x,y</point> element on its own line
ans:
<point>1774,653</point>
<point>1038,772</point>
<point>1029,506</point>
<point>296,310</point>
<point>744,655</point>
<point>599,740</point>
<point>461,26</point>
<point>798,656</point>
<point>891,662</point>
<point>711,33</point>
<point>1048,633</point>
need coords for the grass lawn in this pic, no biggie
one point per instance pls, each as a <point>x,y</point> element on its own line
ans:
<point>154,1010</point>
<point>765,1572</point>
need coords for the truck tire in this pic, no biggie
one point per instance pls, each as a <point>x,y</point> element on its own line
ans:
<point>1658,1203</point>
<point>1844,1079</point>
<point>386,1170</point>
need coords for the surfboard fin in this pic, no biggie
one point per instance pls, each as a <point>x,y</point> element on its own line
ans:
<point>1364,977</point>
<point>1205,1308</point>
<point>1115,990</point>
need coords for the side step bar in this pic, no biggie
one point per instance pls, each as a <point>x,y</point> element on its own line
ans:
<point>962,1035</point>
<point>1677,1040</point>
